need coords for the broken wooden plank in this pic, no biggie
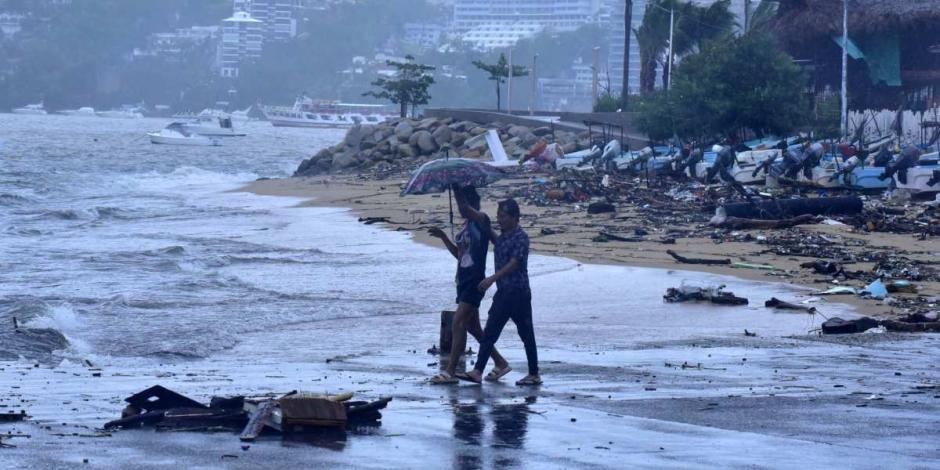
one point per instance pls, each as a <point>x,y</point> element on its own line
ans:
<point>158,398</point>
<point>257,421</point>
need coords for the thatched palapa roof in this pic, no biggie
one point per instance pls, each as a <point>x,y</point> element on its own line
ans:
<point>804,19</point>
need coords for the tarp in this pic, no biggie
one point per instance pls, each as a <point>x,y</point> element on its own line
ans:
<point>883,55</point>
<point>853,51</point>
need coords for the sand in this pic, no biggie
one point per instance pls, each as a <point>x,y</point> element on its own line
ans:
<point>369,199</point>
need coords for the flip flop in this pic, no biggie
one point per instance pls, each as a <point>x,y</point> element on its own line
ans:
<point>465,377</point>
<point>443,378</point>
<point>497,374</point>
<point>529,380</point>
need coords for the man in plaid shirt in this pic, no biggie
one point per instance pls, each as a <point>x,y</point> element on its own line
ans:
<point>513,299</point>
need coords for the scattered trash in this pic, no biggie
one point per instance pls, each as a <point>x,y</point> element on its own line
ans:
<point>838,326</point>
<point>765,267</point>
<point>875,290</point>
<point>715,295</point>
<point>838,290</point>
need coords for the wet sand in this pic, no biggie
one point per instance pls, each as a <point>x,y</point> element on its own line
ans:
<point>630,382</point>
<point>368,198</point>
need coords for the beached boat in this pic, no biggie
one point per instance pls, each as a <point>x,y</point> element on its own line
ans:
<point>176,134</point>
<point>31,109</point>
<point>83,111</point>
<point>923,178</point>
<point>324,114</point>
<point>744,167</point>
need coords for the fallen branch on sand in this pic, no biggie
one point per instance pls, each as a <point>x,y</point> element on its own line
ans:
<point>684,260</point>
<point>737,223</point>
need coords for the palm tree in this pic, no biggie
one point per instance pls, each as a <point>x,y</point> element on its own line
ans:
<point>627,31</point>
<point>693,26</point>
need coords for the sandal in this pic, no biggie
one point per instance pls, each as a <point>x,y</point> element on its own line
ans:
<point>465,376</point>
<point>443,378</point>
<point>497,374</point>
<point>529,380</point>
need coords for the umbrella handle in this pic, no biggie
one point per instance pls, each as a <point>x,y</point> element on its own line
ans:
<point>450,203</point>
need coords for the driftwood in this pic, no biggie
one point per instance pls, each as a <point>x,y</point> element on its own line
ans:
<point>788,208</point>
<point>684,260</point>
<point>737,223</point>
<point>782,305</point>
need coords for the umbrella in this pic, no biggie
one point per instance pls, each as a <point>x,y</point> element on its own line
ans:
<point>436,176</point>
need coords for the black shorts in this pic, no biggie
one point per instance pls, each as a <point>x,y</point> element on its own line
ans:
<point>468,292</point>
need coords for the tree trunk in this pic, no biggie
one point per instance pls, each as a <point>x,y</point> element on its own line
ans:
<point>498,104</point>
<point>627,30</point>
<point>647,73</point>
<point>403,109</point>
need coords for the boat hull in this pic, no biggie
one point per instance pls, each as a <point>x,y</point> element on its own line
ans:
<point>37,112</point>
<point>918,178</point>
<point>195,141</point>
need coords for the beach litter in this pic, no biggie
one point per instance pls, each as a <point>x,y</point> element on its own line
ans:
<point>715,295</point>
<point>783,305</point>
<point>293,412</point>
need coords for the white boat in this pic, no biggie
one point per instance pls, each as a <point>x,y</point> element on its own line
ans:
<point>126,112</point>
<point>744,166</point>
<point>236,116</point>
<point>31,109</point>
<point>175,134</point>
<point>83,111</point>
<point>212,127</point>
<point>324,114</point>
<point>241,115</point>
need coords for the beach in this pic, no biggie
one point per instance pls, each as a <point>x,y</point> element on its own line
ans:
<point>575,230</point>
<point>211,273</point>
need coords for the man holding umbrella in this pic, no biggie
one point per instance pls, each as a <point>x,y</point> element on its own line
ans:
<point>513,299</point>
<point>470,247</point>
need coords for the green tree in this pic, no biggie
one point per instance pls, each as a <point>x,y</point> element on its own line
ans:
<point>499,72</point>
<point>729,87</point>
<point>693,26</point>
<point>408,87</point>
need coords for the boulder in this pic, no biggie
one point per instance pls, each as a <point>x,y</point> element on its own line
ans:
<point>472,153</point>
<point>403,131</point>
<point>478,130</point>
<point>517,131</point>
<point>542,131</point>
<point>427,123</point>
<point>407,151</point>
<point>442,135</point>
<point>425,142</point>
<point>304,167</point>
<point>462,126</point>
<point>477,142</point>
<point>458,139</point>
<point>529,139</point>
<point>344,160</point>
<point>355,135</point>
<point>569,147</point>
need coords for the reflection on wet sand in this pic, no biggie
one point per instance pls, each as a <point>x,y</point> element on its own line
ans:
<point>509,425</point>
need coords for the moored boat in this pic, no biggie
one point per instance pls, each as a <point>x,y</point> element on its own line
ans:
<point>324,114</point>
<point>31,109</point>
<point>83,111</point>
<point>176,134</point>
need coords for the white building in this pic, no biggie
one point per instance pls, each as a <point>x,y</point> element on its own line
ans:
<point>10,24</point>
<point>498,35</point>
<point>172,45</point>
<point>560,15</point>
<point>242,39</point>
<point>279,16</point>
<point>424,35</point>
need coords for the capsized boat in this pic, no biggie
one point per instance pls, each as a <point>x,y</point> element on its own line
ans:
<point>176,134</point>
<point>31,109</point>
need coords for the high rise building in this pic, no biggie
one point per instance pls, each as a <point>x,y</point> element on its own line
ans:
<point>561,15</point>
<point>242,39</point>
<point>279,17</point>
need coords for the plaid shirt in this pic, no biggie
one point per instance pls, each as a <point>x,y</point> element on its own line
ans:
<point>513,244</point>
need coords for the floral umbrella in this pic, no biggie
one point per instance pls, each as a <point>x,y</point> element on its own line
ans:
<point>436,176</point>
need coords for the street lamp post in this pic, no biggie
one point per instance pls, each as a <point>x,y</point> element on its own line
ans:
<point>509,86</point>
<point>594,78</point>
<point>532,86</point>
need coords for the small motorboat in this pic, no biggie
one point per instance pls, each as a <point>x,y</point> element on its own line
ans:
<point>176,134</point>
<point>83,111</point>
<point>213,127</point>
<point>748,168</point>
<point>31,109</point>
<point>923,178</point>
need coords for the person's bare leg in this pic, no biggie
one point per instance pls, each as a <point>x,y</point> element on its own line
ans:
<point>475,328</point>
<point>458,341</point>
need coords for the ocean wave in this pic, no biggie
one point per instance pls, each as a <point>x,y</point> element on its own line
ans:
<point>14,200</point>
